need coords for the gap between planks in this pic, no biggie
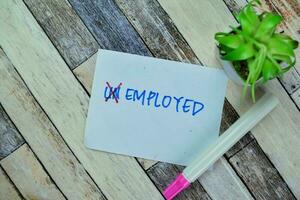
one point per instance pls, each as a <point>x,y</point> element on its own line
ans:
<point>10,139</point>
<point>65,30</point>
<point>28,175</point>
<point>7,188</point>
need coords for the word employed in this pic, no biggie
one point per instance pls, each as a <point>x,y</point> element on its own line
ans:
<point>154,98</point>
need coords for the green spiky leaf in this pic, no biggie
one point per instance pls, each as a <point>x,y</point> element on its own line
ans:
<point>276,46</point>
<point>267,26</point>
<point>243,52</point>
<point>268,70</point>
<point>230,41</point>
<point>287,40</point>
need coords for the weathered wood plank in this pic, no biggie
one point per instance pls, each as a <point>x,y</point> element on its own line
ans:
<point>65,29</point>
<point>291,80</point>
<point>109,26</point>
<point>10,139</point>
<point>29,176</point>
<point>146,164</point>
<point>216,17</point>
<point>296,98</point>
<point>42,136</point>
<point>85,72</point>
<point>278,134</point>
<point>289,9</point>
<point>7,189</point>
<point>223,173</point>
<point>163,173</point>
<point>157,30</point>
<point>235,6</point>
<point>66,103</point>
<point>257,171</point>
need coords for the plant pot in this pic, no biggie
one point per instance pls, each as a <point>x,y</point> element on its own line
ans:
<point>233,75</point>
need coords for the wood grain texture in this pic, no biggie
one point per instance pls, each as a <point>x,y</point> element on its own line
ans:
<point>259,174</point>
<point>85,72</point>
<point>29,176</point>
<point>235,6</point>
<point>163,173</point>
<point>7,189</point>
<point>296,98</point>
<point>291,80</point>
<point>146,164</point>
<point>66,102</point>
<point>290,10</point>
<point>109,26</point>
<point>65,29</point>
<point>223,173</point>
<point>277,134</point>
<point>10,139</point>
<point>42,136</point>
<point>157,30</point>
<point>213,16</point>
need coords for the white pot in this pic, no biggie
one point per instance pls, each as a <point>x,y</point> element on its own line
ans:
<point>233,75</point>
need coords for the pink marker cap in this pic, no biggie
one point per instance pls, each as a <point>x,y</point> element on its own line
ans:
<point>177,186</point>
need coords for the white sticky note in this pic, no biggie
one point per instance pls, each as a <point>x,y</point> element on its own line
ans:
<point>153,108</point>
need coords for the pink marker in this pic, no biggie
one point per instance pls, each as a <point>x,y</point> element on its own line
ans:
<point>232,135</point>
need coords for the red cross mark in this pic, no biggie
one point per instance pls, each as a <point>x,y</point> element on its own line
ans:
<point>113,92</point>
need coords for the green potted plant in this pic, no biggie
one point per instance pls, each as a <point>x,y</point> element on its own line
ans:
<point>254,52</point>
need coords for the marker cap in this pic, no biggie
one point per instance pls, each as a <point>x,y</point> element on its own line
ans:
<point>178,185</point>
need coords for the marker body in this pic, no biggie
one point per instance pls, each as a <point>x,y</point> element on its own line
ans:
<point>232,135</point>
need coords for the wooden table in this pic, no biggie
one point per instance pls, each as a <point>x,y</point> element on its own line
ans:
<point>46,68</point>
